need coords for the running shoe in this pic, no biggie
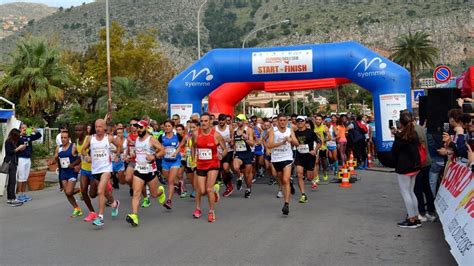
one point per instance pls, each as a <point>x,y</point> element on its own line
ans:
<point>286,209</point>
<point>280,194</point>
<point>408,224</point>
<point>303,199</point>
<point>161,198</point>
<point>115,210</point>
<point>193,194</point>
<point>146,202</point>
<point>247,193</point>
<point>91,217</point>
<point>14,203</point>
<point>316,179</point>
<point>254,179</point>
<point>197,213</point>
<point>314,184</point>
<point>292,187</point>
<point>431,217</point>
<point>211,217</point>
<point>183,194</point>
<point>422,218</point>
<point>23,198</point>
<point>76,212</point>
<point>168,204</point>
<point>272,181</point>
<point>132,219</point>
<point>228,191</point>
<point>217,187</point>
<point>162,180</point>
<point>99,222</point>
<point>325,177</point>
<point>239,183</point>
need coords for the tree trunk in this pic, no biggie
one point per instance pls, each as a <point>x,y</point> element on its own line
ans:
<point>337,98</point>
<point>413,76</point>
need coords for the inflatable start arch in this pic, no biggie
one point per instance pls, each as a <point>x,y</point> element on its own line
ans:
<point>233,73</point>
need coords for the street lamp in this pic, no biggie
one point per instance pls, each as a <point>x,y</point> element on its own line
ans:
<point>198,28</point>
<point>109,82</point>
<point>285,21</point>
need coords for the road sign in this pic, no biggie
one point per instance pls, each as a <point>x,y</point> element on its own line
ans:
<point>442,74</point>
<point>417,94</point>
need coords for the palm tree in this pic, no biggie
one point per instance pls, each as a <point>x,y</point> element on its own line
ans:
<point>36,78</point>
<point>414,51</point>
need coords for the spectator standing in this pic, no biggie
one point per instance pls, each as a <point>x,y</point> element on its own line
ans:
<point>11,156</point>
<point>407,165</point>
<point>27,136</point>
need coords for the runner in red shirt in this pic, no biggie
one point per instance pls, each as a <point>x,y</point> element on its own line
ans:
<point>205,141</point>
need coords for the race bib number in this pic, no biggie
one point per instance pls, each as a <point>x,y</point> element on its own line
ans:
<point>204,154</point>
<point>169,151</point>
<point>304,148</point>
<point>64,162</point>
<point>240,146</point>
<point>144,168</point>
<point>100,155</point>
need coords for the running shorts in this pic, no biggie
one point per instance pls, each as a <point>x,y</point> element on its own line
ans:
<point>279,166</point>
<point>245,157</point>
<point>308,161</point>
<point>167,165</point>
<point>201,172</point>
<point>145,177</point>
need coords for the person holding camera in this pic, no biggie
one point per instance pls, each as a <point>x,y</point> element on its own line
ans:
<point>455,143</point>
<point>27,136</point>
<point>407,165</point>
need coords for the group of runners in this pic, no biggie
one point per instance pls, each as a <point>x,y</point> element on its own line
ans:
<point>207,151</point>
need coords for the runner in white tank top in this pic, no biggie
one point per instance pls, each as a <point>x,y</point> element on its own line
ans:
<point>280,142</point>
<point>147,149</point>
<point>226,132</point>
<point>101,162</point>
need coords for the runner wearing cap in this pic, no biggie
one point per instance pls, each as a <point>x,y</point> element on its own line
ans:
<point>243,141</point>
<point>205,142</point>
<point>280,142</point>
<point>226,132</point>
<point>305,154</point>
<point>172,158</point>
<point>146,148</point>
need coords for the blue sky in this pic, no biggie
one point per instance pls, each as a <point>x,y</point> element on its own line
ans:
<point>55,3</point>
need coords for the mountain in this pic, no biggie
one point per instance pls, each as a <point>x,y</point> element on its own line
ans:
<point>15,16</point>
<point>226,23</point>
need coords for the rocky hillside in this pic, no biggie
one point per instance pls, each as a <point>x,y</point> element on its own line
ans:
<point>225,23</point>
<point>15,16</point>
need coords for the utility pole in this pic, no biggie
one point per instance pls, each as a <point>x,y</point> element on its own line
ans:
<point>109,79</point>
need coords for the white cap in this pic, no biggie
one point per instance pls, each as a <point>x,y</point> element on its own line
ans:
<point>300,117</point>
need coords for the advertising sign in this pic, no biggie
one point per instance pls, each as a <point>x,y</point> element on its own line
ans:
<point>282,62</point>
<point>390,107</point>
<point>183,110</point>
<point>455,206</point>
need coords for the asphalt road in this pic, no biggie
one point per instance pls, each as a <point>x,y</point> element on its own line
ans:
<point>355,226</point>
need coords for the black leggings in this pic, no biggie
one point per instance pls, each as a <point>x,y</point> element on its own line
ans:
<point>422,186</point>
<point>11,182</point>
<point>360,151</point>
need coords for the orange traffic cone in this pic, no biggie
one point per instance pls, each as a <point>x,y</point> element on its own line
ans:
<point>369,160</point>
<point>351,160</point>
<point>345,179</point>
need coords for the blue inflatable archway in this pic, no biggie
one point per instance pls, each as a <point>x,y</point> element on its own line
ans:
<point>388,82</point>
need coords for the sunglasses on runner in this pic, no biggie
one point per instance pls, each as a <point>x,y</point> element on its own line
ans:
<point>134,125</point>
